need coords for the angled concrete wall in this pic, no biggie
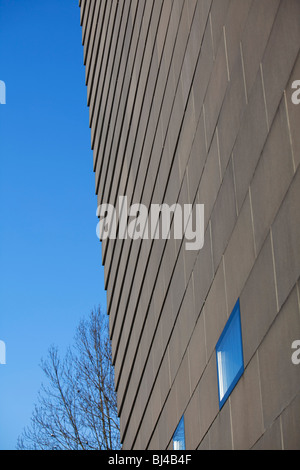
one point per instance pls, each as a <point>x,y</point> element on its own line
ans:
<point>191,102</point>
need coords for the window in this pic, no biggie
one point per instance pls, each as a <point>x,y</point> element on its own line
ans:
<point>229,352</point>
<point>178,436</point>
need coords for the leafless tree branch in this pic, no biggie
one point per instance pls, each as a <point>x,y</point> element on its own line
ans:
<point>77,408</point>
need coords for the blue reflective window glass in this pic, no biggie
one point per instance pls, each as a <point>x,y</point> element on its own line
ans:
<point>178,436</point>
<point>229,352</point>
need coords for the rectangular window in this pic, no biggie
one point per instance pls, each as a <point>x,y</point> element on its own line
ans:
<point>178,436</point>
<point>229,352</point>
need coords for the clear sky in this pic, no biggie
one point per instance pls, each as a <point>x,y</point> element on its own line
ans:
<point>50,258</point>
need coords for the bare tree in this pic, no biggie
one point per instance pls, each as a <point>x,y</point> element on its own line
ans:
<point>77,409</point>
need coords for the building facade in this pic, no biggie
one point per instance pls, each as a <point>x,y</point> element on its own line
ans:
<point>197,102</point>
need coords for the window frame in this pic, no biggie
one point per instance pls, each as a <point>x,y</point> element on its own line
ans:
<point>235,313</point>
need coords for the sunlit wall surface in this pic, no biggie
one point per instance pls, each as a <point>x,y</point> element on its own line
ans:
<point>195,102</point>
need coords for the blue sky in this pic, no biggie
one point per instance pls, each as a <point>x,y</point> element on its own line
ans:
<point>50,258</point>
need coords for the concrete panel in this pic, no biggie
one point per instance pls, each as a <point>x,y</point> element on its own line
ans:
<point>280,379</point>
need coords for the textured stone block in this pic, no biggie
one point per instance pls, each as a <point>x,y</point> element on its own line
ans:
<point>246,407</point>
<point>220,434</point>
<point>258,301</point>
<point>208,391</point>
<point>280,379</point>
<point>291,425</point>
<point>272,176</point>
<point>286,238</point>
<point>239,255</point>
<point>215,310</point>
<point>223,216</point>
